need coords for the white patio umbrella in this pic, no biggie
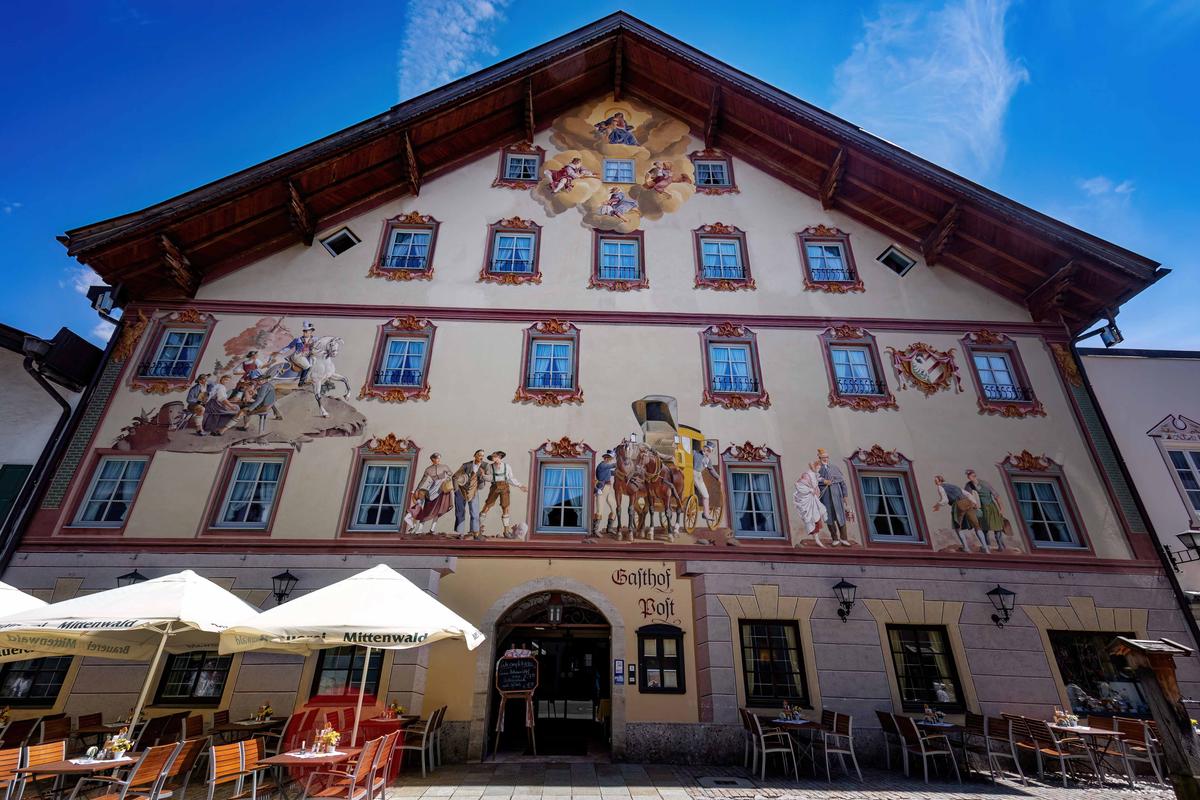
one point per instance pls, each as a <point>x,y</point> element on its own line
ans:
<point>177,613</point>
<point>13,600</point>
<point>378,608</point>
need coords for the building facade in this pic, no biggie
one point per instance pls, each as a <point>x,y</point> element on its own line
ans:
<point>813,358</point>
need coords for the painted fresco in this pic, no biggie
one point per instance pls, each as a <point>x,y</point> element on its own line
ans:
<point>977,516</point>
<point>279,385</point>
<point>660,181</point>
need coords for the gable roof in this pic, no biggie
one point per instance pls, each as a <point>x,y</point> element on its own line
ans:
<point>165,251</point>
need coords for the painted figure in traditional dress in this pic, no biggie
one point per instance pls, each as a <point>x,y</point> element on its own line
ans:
<point>807,499</point>
<point>563,179</point>
<point>661,175</point>
<point>219,405</point>
<point>615,130</point>
<point>702,464</point>
<point>300,351</point>
<point>466,495</point>
<point>257,397</point>
<point>196,398</point>
<point>605,515</point>
<point>500,477</point>
<point>834,498</point>
<point>252,365</point>
<point>434,489</point>
<point>991,515</point>
<point>617,204</point>
<point>963,512</point>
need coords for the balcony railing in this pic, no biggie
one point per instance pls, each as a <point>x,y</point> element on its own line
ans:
<point>517,265</point>
<point>550,380</point>
<point>398,377</point>
<point>734,383</point>
<point>1007,392</point>
<point>832,275</point>
<point>403,262</point>
<point>165,369</point>
<point>857,386</point>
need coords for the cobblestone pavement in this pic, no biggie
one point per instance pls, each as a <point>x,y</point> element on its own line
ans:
<point>550,780</point>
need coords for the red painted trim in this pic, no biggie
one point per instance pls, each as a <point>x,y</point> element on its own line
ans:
<point>552,329</point>
<point>987,341</point>
<point>612,284</point>
<point>362,454</point>
<point>904,468</point>
<point>406,327</point>
<point>520,149</point>
<point>514,225</point>
<point>564,451</point>
<point>187,318</point>
<point>1053,472</point>
<point>1049,332</point>
<point>719,230</point>
<point>854,336</point>
<point>75,500</point>
<point>820,234</point>
<point>728,333</point>
<point>712,154</point>
<point>208,527</point>
<point>410,221</point>
<point>774,462</point>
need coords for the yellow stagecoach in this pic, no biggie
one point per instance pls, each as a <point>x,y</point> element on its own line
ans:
<point>681,445</point>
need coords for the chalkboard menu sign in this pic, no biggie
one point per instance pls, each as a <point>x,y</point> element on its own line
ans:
<point>516,674</point>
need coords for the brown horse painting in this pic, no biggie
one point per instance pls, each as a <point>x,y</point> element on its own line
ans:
<point>641,475</point>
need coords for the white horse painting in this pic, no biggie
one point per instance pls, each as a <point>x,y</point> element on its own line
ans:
<point>323,375</point>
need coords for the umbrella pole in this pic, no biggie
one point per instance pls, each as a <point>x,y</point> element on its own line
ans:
<point>137,711</point>
<point>362,688</point>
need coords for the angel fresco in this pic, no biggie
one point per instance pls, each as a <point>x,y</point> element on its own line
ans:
<point>617,204</point>
<point>661,175</point>
<point>615,130</point>
<point>563,179</point>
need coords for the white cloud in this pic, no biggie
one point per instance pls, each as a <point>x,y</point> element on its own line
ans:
<point>102,331</point>
<point>80,278</point>
<point>444,39</point>
<point>936,82</point>
<point>9,206</point>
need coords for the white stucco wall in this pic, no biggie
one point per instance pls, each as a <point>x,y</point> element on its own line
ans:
<point>29,413</point>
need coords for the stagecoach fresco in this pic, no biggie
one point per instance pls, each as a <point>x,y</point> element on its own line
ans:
<point>670,472</point>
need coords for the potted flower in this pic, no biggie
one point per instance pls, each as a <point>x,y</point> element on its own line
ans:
<point>327,740</point>
<point>395,710</point>
<point>264,713</point>
<point>116,746</point>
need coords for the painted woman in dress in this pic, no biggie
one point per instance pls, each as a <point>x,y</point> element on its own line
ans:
<point>616,130</point>
<point>617,204</point>
<point>807,498</point>
<point>990,514</point>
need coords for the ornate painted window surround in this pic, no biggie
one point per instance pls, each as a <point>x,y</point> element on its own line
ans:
<point>852,336</point>
<point>412,221</point>
<point>390,448</point>
<point>712,154</point>
<point>216,496</point>
<point>551,329</point>
<point>562,451</point>
<point>519,149</point>
<point>613,284</point>
<point>406,327</point>
<point>183,319</point>
<point>748,455</point>
<point>821,234</point>
<point>719,230</point>
<point>986,341</point>
<point>1026,465</point>
<point>1177,432</point>
<point>512,225</point>
<point>731,333</point>
<point>75,503</point>
<point>877,460</point>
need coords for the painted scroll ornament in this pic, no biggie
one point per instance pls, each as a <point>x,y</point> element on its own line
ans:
<point>925,368</point>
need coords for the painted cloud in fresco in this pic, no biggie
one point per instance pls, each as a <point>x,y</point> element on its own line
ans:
<point>655,143</point>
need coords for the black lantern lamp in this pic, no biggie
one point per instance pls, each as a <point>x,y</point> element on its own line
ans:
<point>1190,539</point>
<point>554,611</point>
<point>130,578</point>
<point>1004,601</point>
<point>282,584</point>
<point>844,590</point>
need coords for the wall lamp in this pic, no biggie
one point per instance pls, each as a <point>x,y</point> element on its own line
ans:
<point>130,578</point>
<point>282,585</point>
<point>1189,553</point>
<point>1004,601</point>
<point>554,610</point>
<point>844,590</point>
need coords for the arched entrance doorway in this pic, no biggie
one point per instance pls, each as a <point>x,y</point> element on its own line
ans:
<point>572,641</point>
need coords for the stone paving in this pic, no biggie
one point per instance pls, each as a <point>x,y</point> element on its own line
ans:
<point>551,780</point>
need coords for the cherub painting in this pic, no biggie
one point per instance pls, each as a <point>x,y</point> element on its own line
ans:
<point>563,179</point>
<point>617,204</point>
<point>615,130</point>
<point>661,175</point>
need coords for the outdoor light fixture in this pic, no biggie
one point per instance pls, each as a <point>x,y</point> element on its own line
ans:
<point>1004,601</point>
<point>130,578</point>
<point>844,590</point>
<point>555,609</point>
<point>1190,539</point>
<point>283,583</point>
<point>1109,333</point>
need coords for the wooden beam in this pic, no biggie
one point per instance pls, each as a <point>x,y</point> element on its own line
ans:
<point>714,117</point>
<point>179,268</point>
<point>618,66</point>
<point>414,172</point>
<point>1050,297</point>
<point>300,215</point>
<point>529,122</point>
<point>829,184</point>
<point>933,244</point>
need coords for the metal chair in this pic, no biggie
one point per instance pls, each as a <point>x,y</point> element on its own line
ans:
<point>1054,746</point>
<point>422,738</point>
<point>10,761</point>
<point>381,770</point>
<point>750,744</point>
<point>226,765</point>
<point>887,725</point>
<point>992,738</point>
<point>179,774</point>
<point>353,783</point>
<point>926,746</point>
<point>837,738</point>
<point>53,730</point>
<point>144,777</point>
<point>772,740</point>
<point>34,756</point>
<point>19,732</point>
<point>1139,745</point>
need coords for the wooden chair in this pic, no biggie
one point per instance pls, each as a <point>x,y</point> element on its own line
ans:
<point>837,738</point>
<point>55,729</point>
<point>1064,749</point>
<point>153,730</point>
<point>351,784</point>
<point>179,774</point>
<point>226,765</point>
<point>87,721</point>
<point>772,740</point>
<point>749,744</point>
<point>144,777</point>
<point>1139,745</point>
<point>437,736</point>
<point>10,760</point>
<point>887,725</point>
<point>925,746</point>
<point>992,738</point>
<point>382,769</point>
<point>254,750</point>
<point>193,727</point>
<point>18,732</point>
<point>37,754</point>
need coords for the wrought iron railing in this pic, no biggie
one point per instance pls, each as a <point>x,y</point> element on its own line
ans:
<point>165,368</point>
<point>1007,392</point>
<point>734,383</point>
<point>851,386</point>
<point>403,262</point>
<point>398,377</point>
<point>832,275</point>
<point>550,380</point>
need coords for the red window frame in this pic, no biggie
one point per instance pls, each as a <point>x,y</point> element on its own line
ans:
<point>731,333</point>
<point>542,331</point>
<point>985,341</point>
<point>216,497</point>
<point>719,230</point>
<point>821,234</point>
<point>1025,464</point>
<point>519,149</point>
<point>407,327</point>
<point>751,456</point>
<point>891,462</point>
<point>512,225</point>
<point>412,221</point>
<point>711,154</point>
<point>390,448</point>
<point>614,284</point>
<point>562,451</point>
<point>852,336</point>
<point>81,493</point>
<point>183,319</point>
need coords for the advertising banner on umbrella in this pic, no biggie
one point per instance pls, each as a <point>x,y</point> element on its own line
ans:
<point>12,601</point>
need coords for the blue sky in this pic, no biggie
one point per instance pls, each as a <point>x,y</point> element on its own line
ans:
<point>1086,111</point>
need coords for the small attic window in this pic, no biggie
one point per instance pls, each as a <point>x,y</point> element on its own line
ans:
<point>896,261</point>
<point>339,242</point>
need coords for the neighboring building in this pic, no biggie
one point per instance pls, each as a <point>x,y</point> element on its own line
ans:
<point>821,323</point>
<point>1151,401</point>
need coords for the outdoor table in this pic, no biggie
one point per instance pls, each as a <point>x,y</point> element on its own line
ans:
<point>246,726</point>
<point>1097,740</point>
<point>300,758</point>
<point>99,731</point>
<point>78,767</point>
<point>795,727</point>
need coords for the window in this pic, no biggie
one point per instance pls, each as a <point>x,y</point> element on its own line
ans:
<point>176,354</point>
<point>772,667</point>
<point>194,678</point>
<point>754,509</point>
<point>661,648</point>
<point>1186,464</point>
<point>713,172</point>
<point>925,669</point>
<point>721,258</point>
<point>828,261</point>
<point>339,671</point>
<point>1096,683</point>
<point>898,262</point>
<point>551,365</point>
<point>382,490</point>
<point>408,250</point>
<point>888,517</point>
<point>853,371</point>
<point>403,362</point>
<point>999,376</point>
<point>1044,513</point>
<point>619,260</point>
<point>34,682</point>
<point>521,167</point>
<point>514,253</point>
<point>250,497</point>
<point>618,170</point>
<point>561,498</point>
<point>731,368</point>
<point>512,256</point>
<point>114,485</point>
<point>339,242</point>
